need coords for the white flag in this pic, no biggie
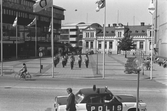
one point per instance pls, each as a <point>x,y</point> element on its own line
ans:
<point>42,4</point>
<point>15,22</point>
<point>32,23</point>
<point>50,27</point>
<point>100,4</point>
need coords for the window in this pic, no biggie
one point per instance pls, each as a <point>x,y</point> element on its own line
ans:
<point>99,45</point>
<point>87,44</point>
<point>110,44</point>
<point>141,45</point>
<point>91,34</point>
<point>87,34</point>
<point>105,44</point>
<point>150,45</point>
<point>119,34</point>
<point>91,44</point>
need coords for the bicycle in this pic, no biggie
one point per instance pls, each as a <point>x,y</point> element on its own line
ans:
<point>25,75</point>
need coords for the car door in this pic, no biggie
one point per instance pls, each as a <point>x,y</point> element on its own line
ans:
<point>103,103</point>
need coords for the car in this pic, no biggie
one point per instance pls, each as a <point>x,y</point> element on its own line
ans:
<point>90,52</point>
<point>99,99</point>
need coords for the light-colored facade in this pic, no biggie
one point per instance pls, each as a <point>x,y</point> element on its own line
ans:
<point>89,38</point>
<point>160,28</point>
<point>141,35</point>
<point>73,33</point>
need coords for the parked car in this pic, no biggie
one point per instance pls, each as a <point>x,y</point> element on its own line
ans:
<point>99,99</point>
<point>90,52</point>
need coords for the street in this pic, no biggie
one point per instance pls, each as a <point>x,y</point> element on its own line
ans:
<point>38,93</point>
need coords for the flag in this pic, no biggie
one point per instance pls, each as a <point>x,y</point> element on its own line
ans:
<point>101,4</point>
<point>15,22</point>
<point>42,4</point>
<point>32,23</point>
<point>50,27</point>
<point>151,7</point>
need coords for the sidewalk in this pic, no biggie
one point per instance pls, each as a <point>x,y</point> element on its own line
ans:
<point>114,69</point>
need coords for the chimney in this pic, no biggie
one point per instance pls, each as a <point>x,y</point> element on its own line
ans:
<point>108,25</point>
<point>142,23</point>
<point>114,25</point>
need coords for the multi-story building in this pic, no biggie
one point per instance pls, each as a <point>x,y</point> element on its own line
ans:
<point>160,28</point>
<point>26,35</point>
<point>141,36</point>
<point>73,33</point>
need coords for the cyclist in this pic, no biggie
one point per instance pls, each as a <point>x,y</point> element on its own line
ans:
<point>23,70</point>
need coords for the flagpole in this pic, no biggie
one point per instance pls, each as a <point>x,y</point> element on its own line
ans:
<point>35,36</point>
<point>16,34</point>
<point>1,41</point>
<point>52,44</point>
<point>104,40</point>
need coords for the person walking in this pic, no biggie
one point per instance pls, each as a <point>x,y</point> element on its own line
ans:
<point>70,101</point>
<point>79,60</point>
<point>72,60</point>
<point>86,61</point>
<point>66,59</point>
<point>63,61</point>
<point>56,60</point>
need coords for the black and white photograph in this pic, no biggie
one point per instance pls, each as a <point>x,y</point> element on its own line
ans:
<point>83,55</point>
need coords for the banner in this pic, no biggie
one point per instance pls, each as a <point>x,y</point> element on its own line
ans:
<point>15,22</point>
<point>32,23</point>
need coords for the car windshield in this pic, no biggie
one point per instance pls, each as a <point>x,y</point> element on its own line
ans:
<point>79,98</point>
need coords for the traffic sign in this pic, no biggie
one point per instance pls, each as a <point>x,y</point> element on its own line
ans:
<point>40,54</point>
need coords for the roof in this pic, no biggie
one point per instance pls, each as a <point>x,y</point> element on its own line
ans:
<point>90,91</point>
<point>110,31</point>
<point>136,30</point>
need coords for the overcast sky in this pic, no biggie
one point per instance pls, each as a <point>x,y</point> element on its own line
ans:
<point>123,11</point>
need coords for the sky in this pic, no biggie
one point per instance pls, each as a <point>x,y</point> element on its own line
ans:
<point>131,12</point>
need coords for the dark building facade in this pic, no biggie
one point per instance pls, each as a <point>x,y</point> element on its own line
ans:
<point>26,35</point>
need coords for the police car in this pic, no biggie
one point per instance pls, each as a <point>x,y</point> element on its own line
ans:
<point>99,99</point>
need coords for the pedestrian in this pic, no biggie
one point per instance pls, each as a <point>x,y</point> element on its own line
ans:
<point>63,61</point>
<point>86,61</point>
<point>79,60</point>
<point>72,60</point>
<point>66,59</point>
<point>56,60</point>
<point>70,101</point>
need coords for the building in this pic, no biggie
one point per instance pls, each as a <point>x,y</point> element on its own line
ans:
<point>94,41</point>
<point>26,35</point>
<point>160,28</point>
<point>73,33</point>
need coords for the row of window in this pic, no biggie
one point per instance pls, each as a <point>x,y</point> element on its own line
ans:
<point>141,46</point>
<point>22,2</point>
<point>89,34</point>
<point>99,44</point>
<point>26,15</point>
<point>26,3</point>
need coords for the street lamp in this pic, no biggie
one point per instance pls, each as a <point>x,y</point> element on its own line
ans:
<point>151,10</point>
<point>1,39</point>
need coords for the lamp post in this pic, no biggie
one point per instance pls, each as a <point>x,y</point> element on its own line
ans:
<point>96,57</point>
<point>1,39</point>
<point>151,10</point>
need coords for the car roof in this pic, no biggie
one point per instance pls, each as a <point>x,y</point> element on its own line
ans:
<point>90,91</point>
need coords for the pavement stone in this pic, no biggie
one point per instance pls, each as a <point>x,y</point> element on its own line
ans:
<point>114,69</point>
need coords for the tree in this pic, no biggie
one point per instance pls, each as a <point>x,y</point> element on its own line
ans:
<point>126,43</point>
